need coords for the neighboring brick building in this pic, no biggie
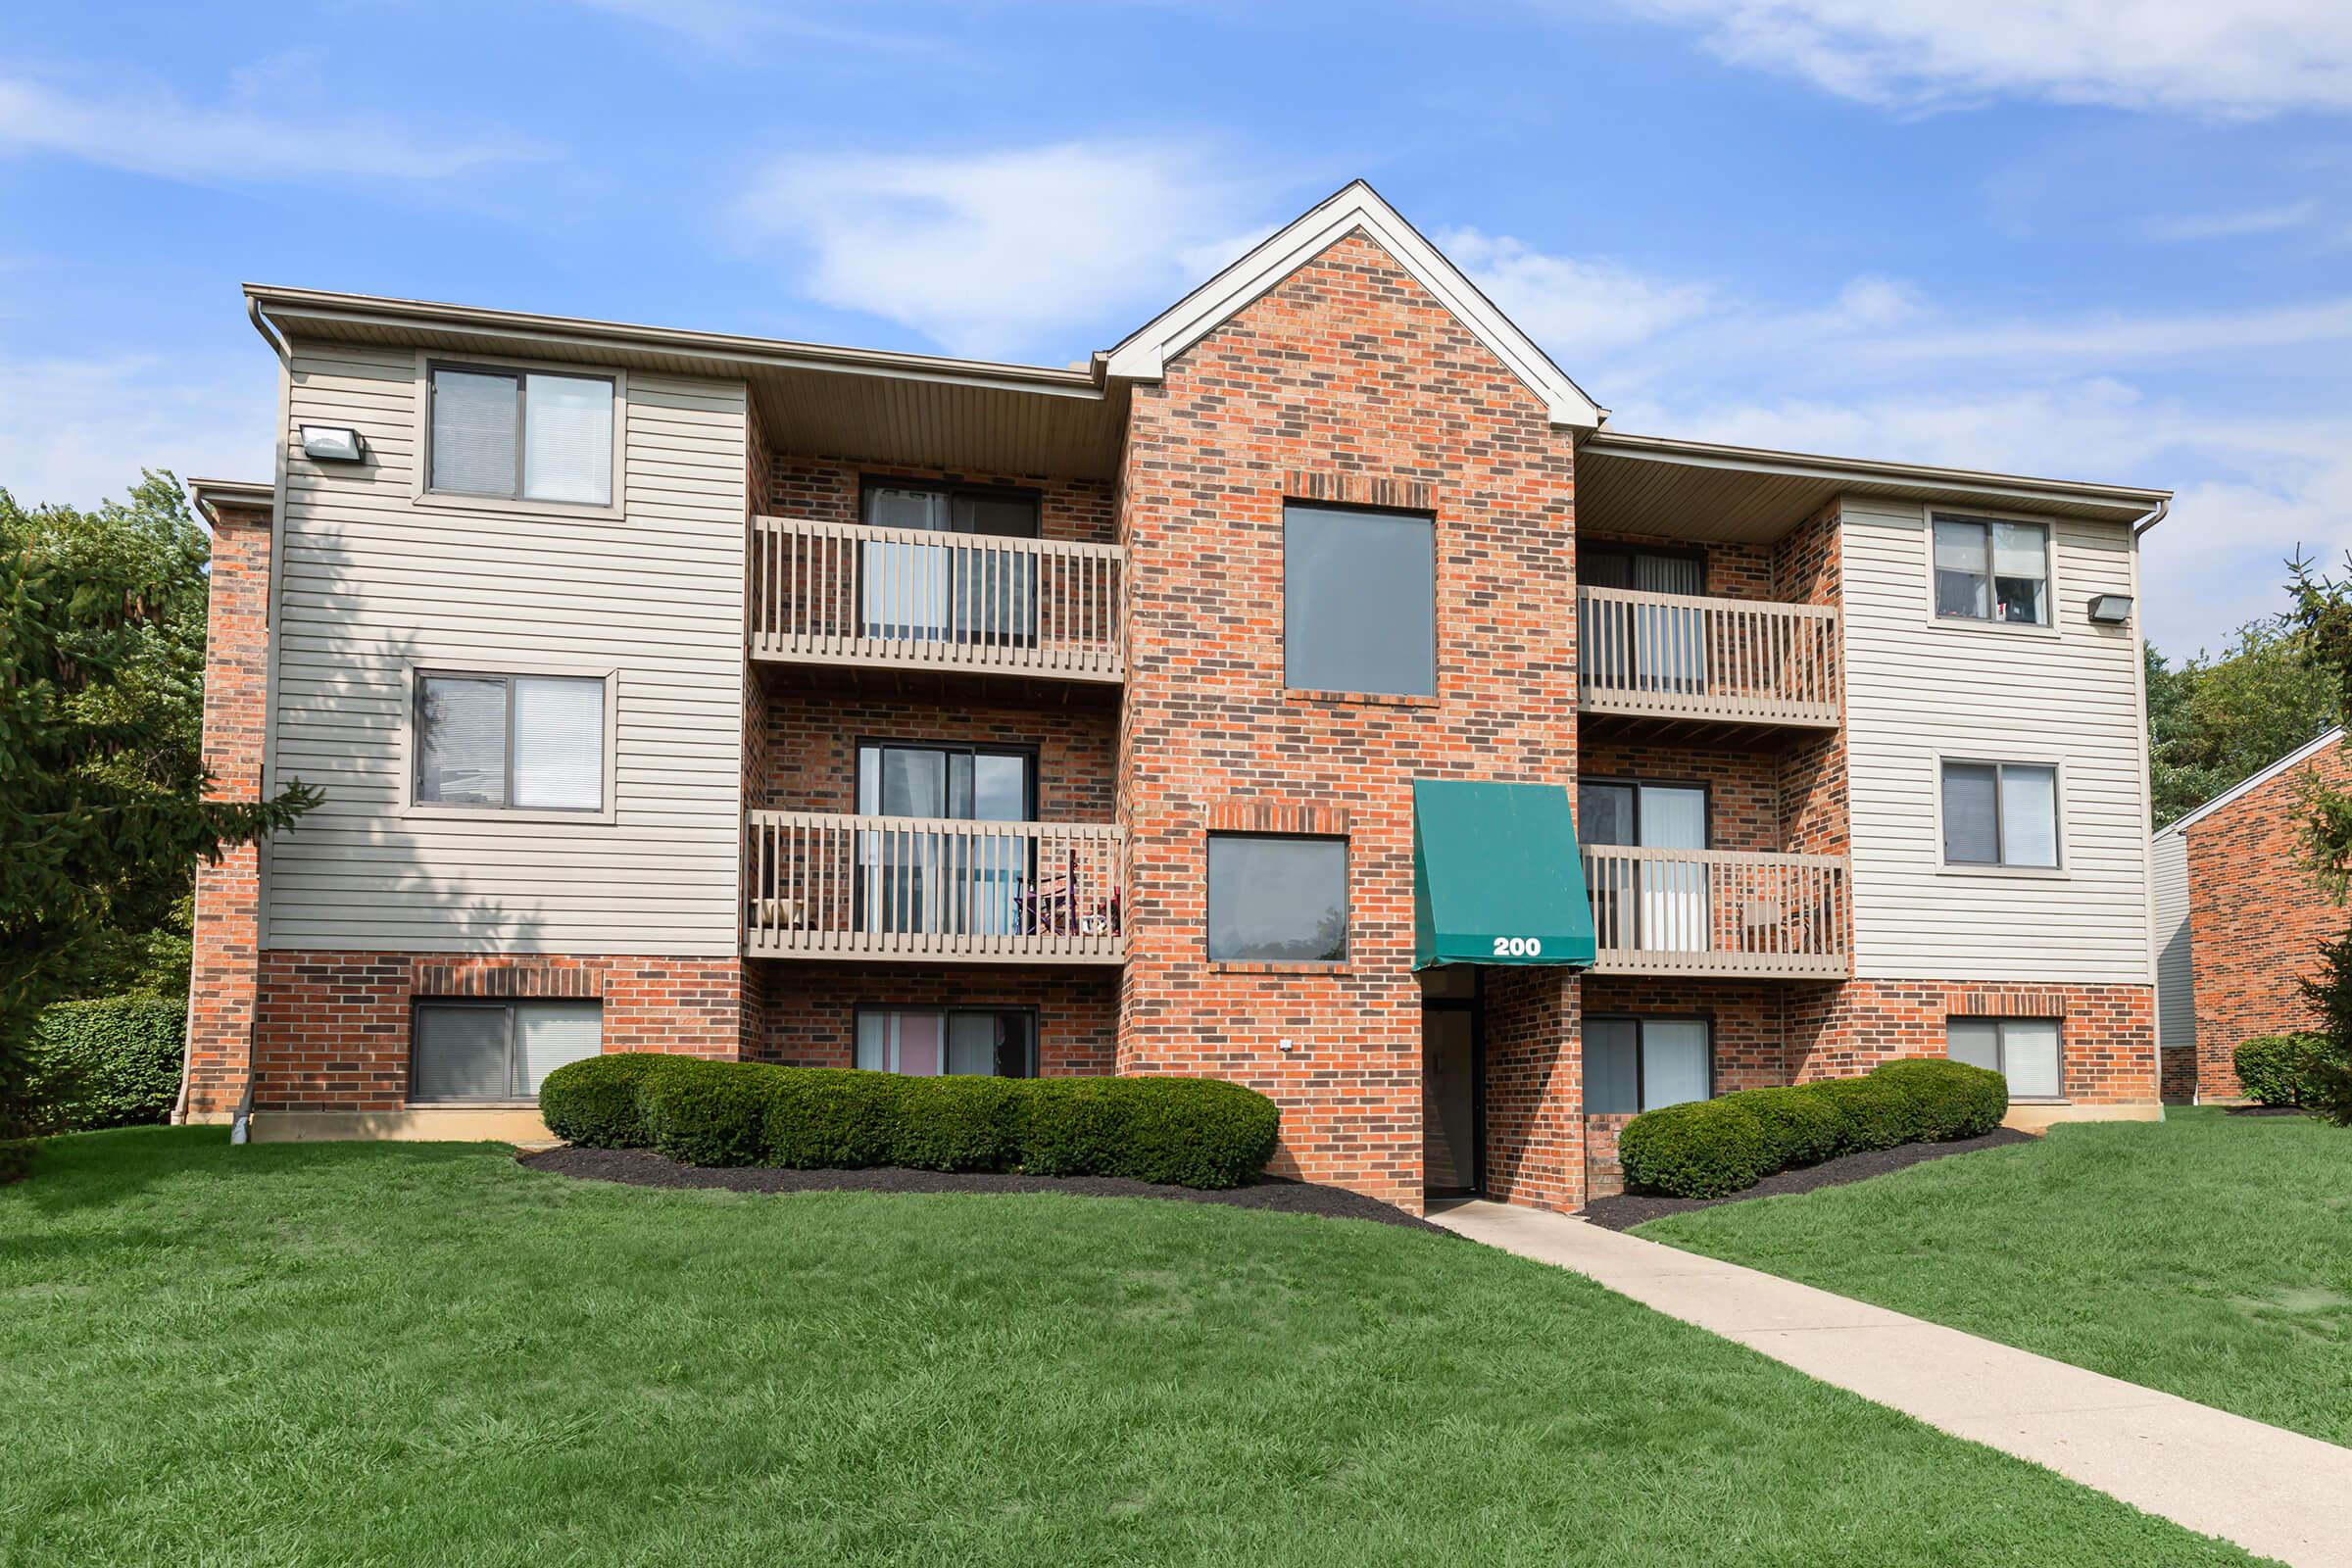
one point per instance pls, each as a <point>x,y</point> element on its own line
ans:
<point>2239,921</point>
<point>745,698</point>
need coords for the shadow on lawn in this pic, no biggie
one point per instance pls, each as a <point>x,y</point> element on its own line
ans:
<point>81,1171</point>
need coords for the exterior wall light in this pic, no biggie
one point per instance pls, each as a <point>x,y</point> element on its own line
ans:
<point>332,442</point>
<point>2110,609</point>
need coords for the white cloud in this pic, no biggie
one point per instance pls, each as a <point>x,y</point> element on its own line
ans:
<point>151,132</point>
<point>1572,306</point>
<point>2248,57</point>
<point>729,23</point>
<point>992,254</point>
<point>81,430</point>
<point>2239,224</point>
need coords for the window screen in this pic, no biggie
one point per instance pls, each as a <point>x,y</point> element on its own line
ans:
<point>532,742</point>
<point>497,1050</point>
<point>2025,1051</point>
<point>1359,601</point>
<point>525,434</point>
<point>1635,1064</point>
<point>2000,813</point>
<point>1277,899</point>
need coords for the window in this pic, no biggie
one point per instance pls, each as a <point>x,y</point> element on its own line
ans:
<point>926,1042</point>
<point>2024,1051</point>
<point>1634,1064</point>
<point>947,592</point>
<point>2000,813</point>
<point>460,1050</point>
<point>1359,601</point>
<point>521,434</point>
<point>1655,571</point>
<point>1277,899</point>
<point>1987,570</point>
<point>516,742</point>
<point>921,881</point>
<point>1656,906</point>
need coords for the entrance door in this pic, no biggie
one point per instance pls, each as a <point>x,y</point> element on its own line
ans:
<point>1452,1156</point>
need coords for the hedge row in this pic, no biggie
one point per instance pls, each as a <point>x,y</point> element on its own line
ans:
<point>1188,1132</point>
<point>114,1062</point>
<point>1712,1148</point>
<point>2279,1069</point>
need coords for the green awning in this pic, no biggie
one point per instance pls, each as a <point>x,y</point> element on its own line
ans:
<point>1496,877</point>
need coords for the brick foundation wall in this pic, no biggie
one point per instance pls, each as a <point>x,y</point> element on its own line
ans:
<point>1347,381</point>
<point>2107,1035</point>
<point>2255,919</point>
<point>332,1030</point>
<point>228,895</point>
<point>811,1009</point>
<point>1605,1176</point>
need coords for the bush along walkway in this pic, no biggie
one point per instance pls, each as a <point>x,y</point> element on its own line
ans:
<point>2274,1492</point>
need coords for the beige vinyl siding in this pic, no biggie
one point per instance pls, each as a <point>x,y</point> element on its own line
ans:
<point>371,582</point>
<point>1917,690</point>
<point>2176,973</point>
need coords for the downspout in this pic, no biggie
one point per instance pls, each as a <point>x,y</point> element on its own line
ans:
<point>278,345</point>
<point>2152,518</point>
<point>2147,848</point>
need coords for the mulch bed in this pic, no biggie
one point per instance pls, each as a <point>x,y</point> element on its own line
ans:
<point>641,1168</point>
<point>1625,1212</point>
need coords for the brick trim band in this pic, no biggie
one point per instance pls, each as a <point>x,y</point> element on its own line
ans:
<point>1276,816</point>
<point>507,980</point>
<point>1360,489</point>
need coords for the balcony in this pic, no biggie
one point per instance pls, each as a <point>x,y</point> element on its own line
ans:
<point>820,885</point>
<point>1723,913</point>
<point>1707,662</point>
<point>904,599</point>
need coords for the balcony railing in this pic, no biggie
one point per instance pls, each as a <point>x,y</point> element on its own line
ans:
<point>840,593</point>
<point>1737,660</point>
<point>1721,912</point>
<point>824,885</point>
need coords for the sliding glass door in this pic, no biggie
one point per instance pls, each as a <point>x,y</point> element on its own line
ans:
<point>1661,905</point>
<point>936,593</point>
<point>934,879</point>
<point>1663,646</point>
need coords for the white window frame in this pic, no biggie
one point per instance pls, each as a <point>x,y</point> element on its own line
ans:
<point>412,807</point>
<point>2000,1037</point>
<point>2059,872</point>
<point>1969,623</point>
<point>420,492</point>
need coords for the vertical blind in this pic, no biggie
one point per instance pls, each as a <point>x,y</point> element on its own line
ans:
<point>497,1050</point>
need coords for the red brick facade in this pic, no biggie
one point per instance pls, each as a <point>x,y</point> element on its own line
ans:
<point>2107,1034</point>
<point>1347,381</point>
<point>333,1027</point>
<point>228,895</point>
<point>2255,919</point>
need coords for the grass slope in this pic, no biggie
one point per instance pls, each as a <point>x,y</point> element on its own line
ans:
<point>2209,1256</point>
<point>425,1354</point>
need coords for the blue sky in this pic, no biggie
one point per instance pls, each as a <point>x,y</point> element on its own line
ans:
<point>2106,239</point>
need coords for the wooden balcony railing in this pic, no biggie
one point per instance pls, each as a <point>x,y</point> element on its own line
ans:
<point>823,885</point>
<point>1719,912</point>
<point>840,593</point>
<point>1735,661</point>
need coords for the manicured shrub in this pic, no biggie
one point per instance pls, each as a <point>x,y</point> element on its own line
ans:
<point>1190,1132</point>
<point>831,1118</point>
<point>1948,1099</point>
<point>2277,1070</point>
<point>594,1102</point>
<point>1714,1148</point>
<point>1699,1149</point>
<point>706,1113</point>
<point>113,1063</point>
<point>957,1123</point>
<point>1185,1132</point>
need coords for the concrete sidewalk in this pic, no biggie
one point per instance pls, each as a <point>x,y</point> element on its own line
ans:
<point>2277,1494</point>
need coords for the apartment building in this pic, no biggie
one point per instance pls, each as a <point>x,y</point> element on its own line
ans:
<point>1312,690</point>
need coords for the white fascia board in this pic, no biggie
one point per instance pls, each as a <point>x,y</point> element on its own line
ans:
<point>1143,356</point>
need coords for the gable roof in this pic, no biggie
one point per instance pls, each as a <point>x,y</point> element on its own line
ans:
<point>2247,786</point>
<point>1145,352</point>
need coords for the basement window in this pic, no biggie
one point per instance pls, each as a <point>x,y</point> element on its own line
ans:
<point>2025,1051</point>
<point>493,1052</point>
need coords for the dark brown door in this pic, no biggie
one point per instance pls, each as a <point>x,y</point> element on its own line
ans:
<point>1451,1154</point>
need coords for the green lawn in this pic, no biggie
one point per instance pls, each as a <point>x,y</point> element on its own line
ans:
<point>2209,1254</point>
<point>425,1354</point>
